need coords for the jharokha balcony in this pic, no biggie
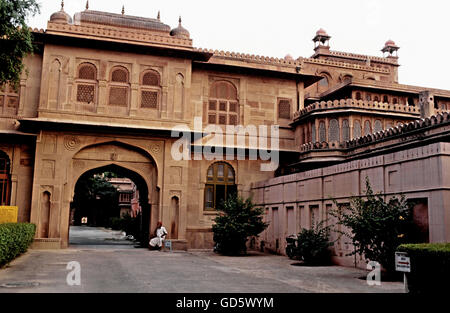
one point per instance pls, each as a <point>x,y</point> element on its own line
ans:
<point>352,105</point>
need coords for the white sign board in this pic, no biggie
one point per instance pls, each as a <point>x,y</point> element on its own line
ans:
<point>402,262</point>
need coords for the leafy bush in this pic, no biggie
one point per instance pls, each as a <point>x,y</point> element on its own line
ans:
<point>312,246</point>
<point>237,220</point>
<point>14,240</point>
<point>377,227</point>
<point>430,267</point>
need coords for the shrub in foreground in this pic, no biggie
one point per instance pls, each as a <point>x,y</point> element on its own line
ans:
<point>313,245</point>
<point>430,267</point>
<point>14,240</point>
<point>238,219</point>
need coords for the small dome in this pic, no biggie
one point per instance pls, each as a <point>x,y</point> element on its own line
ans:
<point>289,57</point>
<point>61,16</point>
<point>180,31</point>
<point>390,43</point>
<point>321,32</point>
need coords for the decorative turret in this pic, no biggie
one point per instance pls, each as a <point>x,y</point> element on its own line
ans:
<point>321,38</point>
<point>61,16</point>
<point>180,31</point>
<point>322,42</point>
<point>390,48</point>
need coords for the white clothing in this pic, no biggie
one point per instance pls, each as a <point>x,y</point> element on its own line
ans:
<point>160,236</point>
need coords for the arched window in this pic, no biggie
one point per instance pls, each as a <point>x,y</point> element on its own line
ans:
<point>220,184</point>
<point>376,99</point>
<point>5,179</point>
<point>368,97</point>
<point>87,83</point>
<point>358,96</point>
<point>119,87</point>
<point>150,90</point>
<point>324,83</point>
<point>313,133</point>
<point>411,101</point>
<point>367,128</point>
<point>223,107</point>
<point>395,100</point>
<point>385,99</point>
<point>345,130</point>
<point>377,126</point>
<point>333,130</point>
<point>322,132</point>
<point>356,129</point>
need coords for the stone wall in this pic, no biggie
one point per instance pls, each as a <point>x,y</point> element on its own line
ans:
<point>292,201</point>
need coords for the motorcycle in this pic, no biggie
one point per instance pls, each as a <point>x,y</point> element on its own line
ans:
<point>292,246</point>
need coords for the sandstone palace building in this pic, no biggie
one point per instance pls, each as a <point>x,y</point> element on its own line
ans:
<point>103,92</point>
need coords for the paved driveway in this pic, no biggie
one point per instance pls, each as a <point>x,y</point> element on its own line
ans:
<point>140,270</point>
<point>123,268</point>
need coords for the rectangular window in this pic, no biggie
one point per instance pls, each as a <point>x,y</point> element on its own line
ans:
<point>149,99</point>
<point>284,109</point>
<point>118,96</point>
<point>85,93</point>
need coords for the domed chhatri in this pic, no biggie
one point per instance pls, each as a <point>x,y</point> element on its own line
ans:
<point>180,31</point>
<point>61,16</point>
<point>289,57</point>
<point>390,47</point>
<point>321,32</point>
<point>321,38</point>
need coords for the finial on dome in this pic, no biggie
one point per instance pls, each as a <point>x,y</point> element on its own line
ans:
<point>87,5</point>
<point>123,9</point>
<point>62,5</point>
<point>179,20</point>
<point>159,15</point>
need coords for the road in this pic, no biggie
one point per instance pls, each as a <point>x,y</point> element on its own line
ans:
<point>123,268</point>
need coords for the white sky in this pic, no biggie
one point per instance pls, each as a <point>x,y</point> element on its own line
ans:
<point>276,28</point>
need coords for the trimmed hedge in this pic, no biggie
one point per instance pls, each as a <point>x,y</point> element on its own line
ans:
<point>15,240</point>
<point>430,267</point>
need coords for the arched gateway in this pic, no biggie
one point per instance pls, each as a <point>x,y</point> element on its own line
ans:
<point>51,213</point>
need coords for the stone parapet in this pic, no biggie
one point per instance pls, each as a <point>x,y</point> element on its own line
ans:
<point>357,104</point>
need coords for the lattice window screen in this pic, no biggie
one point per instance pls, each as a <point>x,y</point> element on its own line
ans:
<point>367,128</point>
<point>149,99</point>
<point>284,109</point>
<point>150,79</point>
<point>87,72</point>
<point>118,96</point>
<point>356,129</point>
<point>345,130</point>
<point>377,126</point>
<point>333,134</point>
<point>322,132</point>
<point>85,93</point>
<point>119,76</point>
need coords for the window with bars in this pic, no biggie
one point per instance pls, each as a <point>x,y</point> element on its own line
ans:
<point>9,100</point>
<point>220,184</point>
<point>223,106</point>
<point>5,179</point>
<point>119,87</point>
<point>86,83</point>
<point>150,90</point>
<point>284,109</point>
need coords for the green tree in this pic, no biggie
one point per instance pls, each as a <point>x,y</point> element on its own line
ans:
<point>376,227</point>
<point>15,37</point>
<point>238,219</point>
